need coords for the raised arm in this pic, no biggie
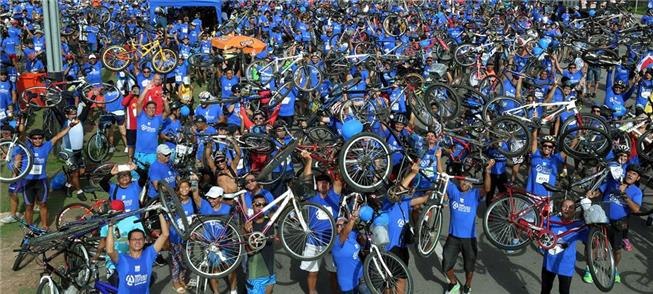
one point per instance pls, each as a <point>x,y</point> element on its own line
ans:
<point>165,233</point>
<point>111,251</point>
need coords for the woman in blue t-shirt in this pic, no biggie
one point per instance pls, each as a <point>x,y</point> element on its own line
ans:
<point>179,273</point>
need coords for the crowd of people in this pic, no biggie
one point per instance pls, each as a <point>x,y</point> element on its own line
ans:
<point>154,109</point>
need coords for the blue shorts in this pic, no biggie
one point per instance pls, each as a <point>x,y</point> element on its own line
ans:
<point>17,186</point>
<point>36,191</point>
<point>257,286</point>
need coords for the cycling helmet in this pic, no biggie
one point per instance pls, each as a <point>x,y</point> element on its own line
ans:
<point>622,149</point>
<point>204,96</point>
<point>235,88</point>
<point>400,118</point>
<point>549,138</point>
<point>279,124</point>
<point>36,132</point>
<point>174,105</point>
<point>70,109</point>
<point>619,84</point>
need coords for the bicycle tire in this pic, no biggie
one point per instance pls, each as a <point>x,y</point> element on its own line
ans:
<point>6,149</point>
<point>587,119</point>
<point>302,77</point>
<point>46,288</point>
<point>97,148</point>
<point>276,160</point>
<point>79,211</point>
<point>446,99</point>
<point>420,110</point>
<point>491,86</point>
<point>395,25</point>
<point>256,70</point>
<point>429,227</point>
<point>280,94</point>
<point>78,264</point>
<point>212,249</point>
<point>321,135</point>
<point>104,88</point>
<point>600,57</point>
<point>368,182</point>
<point>164,61</point>
<point>517,134</point>
<point>370,273</point>
<point>289,222</point>
<point>41,97</point>
<point>497,107</point>
<point>464,55</point>
<point>606,283</point>
<point>598,144</point>
<point>258,143</point>
<point>116,58</point>
<point>517,241</point>
<point>645,146</point>
<point>24,250</point>
<point>171,202</point>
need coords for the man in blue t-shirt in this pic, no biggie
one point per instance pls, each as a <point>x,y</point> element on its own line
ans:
<point>544,165</point>
<point>148,126</point>
<point>463,203</point>
<point>135,267</point>
<point>161,170</point>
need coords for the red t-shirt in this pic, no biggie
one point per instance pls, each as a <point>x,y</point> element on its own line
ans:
<point>155,94</point>
<point>130,103</point>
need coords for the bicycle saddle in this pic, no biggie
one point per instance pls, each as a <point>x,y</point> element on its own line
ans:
<point>552,188</point>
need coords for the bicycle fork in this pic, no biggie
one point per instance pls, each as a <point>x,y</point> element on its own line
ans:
<point>380,266</point>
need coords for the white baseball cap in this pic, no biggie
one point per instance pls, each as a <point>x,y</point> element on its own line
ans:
<point>92,56</point>
<point>215,192</point>
<point>163,149</point>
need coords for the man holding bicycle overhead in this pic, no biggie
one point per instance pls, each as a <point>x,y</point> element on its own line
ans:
<point>544,165</point>
<point>135,267</point>
<point>463,204</point>
<point>623,198</point>
<point>148,126</point>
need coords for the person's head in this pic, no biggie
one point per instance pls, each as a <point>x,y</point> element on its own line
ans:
<point>183,189</point>
<point>280,129</point>
<point>572,68</point>
<point>150,108</point>
<point>200,122</point>
<point>648,73</point>
<point>136,239</point>
<point>621,153</point>
<point>568,209</point>
<point>7,131</point>
<point>223,128</point>
<point>465,185</point>
<point>341,223</point>
<point>548,145</point>
<point>323,182</point>
<point>567,85</point>
<point>157,80</point>
<point>124,178</point>
<point>258,203</point>
<point>92,59</point>
<point>147,72</point>
<point>185,40</point>
<point>400,121</point>
<point>230,73</point>
<point>596,110</point>
<point>163,153</point>
<point>214,196</point>
<point>633,173</point>
<point>618,87</point>
<point>174,108</point>
<point>235,89</point>
<point>220,160</point>
<point>37,136</point>
<point>431,137</point>
<point>4,75</point>
<point>251,184</point>
<point>259,117</point>
<point>70,111</point>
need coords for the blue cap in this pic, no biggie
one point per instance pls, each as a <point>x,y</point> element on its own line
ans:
<point>365,213</point>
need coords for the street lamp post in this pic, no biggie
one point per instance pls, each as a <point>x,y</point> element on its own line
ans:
<point>52,39</point>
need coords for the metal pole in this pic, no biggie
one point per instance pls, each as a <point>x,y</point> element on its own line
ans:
<point>52,39</point>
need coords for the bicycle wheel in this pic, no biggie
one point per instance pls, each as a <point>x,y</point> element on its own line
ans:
<point>72,213</point>
<point>491,86</point>
<point>585,143</point>
<point>420,110</point>
<point>24,250</point>
<point>429,227</point>
<point>214,248</point>
<point>395,25</point>
<point>100,93</point>
<point>446,100</point>
<point>97,148</point>
<point>464,55</point>
<point>505,221</point>
<point>260,71</point>
<point>645,146</point>
<point>78,264</point>
<point>171,202</point>
<point>257,143</point>
<point>277,159</point>
<point>386,273</point>
<point>503,105</point>
<point>116,58</point>
<point>476,77</point>
<point>584,120</point>
<point>307,77</point>
<point>164,61</point>
<point>600,57</point>
<point>321,135</point>
<point>364,162</point>
<point>312,241</point>
<point>599,258</point>
<point>41,97</point>
<point>512,135</point>
<point>45,287</point>
<point>280,94</point>
<point>16,160</point>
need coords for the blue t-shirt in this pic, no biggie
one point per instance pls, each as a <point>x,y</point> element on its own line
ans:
<point>399,214</point>
<point>134,273</point>
<point>543,170</point>
<point>160,172</point>
<point>207,209</point>
<point>189,210</point>
<point>462,208</point>
<point>349,265</point>
<point>318,221</point>
<point>617,207</point>
<point>564,262</point>
<point>120,233</point>
<point>147,133</point>
<point>40,160</point>
<point>212,113</point>
<point>129,196</point>
<point>249,197</point>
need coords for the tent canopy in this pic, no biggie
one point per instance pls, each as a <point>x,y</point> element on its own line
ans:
<point>187,3</point>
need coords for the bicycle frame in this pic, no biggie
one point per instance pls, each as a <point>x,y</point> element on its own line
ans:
<point>145,49</point>
<point>284,199</point>
<point>562,106</point>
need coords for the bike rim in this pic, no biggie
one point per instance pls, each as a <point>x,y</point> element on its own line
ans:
<point>367,162</point>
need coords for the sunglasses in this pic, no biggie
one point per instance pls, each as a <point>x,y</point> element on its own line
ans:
<point>166,155</point>
<point>147,71</point>
<point>220,161</point>
<point>37,138</point>
<point>547,146</point>
<point>258,204</point>
<point>259,118</point>
<point>251,181</point>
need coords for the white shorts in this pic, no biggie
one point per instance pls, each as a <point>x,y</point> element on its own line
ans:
<point>314,265</point>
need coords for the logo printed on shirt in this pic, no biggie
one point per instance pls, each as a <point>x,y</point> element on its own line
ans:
<point>137,268</point>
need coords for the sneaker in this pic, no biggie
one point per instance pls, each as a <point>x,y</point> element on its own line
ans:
<point>126,150</point>
<point>9,219</point>
<point>617,278</point>
<point>453,288</point>
<point>192,283</point>
<point>514,242</point>
<point>80,195</point>
<point>112,149</point>
<point>37,208</point>
<point>587,277</point>
<point>467,290</point>
<point>627,245</point>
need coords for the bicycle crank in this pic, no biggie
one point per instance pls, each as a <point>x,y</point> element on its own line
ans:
<point>256,241</point>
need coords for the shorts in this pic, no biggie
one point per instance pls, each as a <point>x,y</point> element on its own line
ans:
<point>17,186</point>
<point>170,80</point>
<point>593,74</point>
<point>616,237</point>
<point>144,158</point>
<point>118,119</point>
<point>131,138</point>
<point>313,266</point>
<point>36,191</point>
<point>257,286</point>
<point>402,253</point>
<point>77,160</point>
<point>453,246</point>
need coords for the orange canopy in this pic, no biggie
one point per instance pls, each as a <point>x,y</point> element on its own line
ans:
<point>248,44</point>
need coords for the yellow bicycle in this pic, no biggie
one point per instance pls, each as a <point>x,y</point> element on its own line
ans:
<point>117,58</point>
